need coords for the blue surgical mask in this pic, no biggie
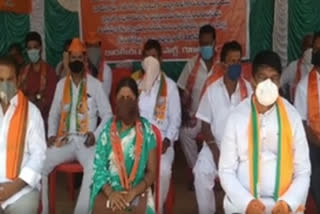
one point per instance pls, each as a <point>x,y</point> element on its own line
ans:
<point>234,71</point>
<point>34,55</point>
<point>206,52</point>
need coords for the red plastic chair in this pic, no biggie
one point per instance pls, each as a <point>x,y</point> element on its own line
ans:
<point>169,204</point>
<point>70,169</point>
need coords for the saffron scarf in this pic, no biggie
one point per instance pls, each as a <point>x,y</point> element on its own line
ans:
<point>43,77</point>
<point>192,80</point>
<point>126,180</point>
<point>218,73</point>
<point>313,102</point>
<point>16,137</point>
<point>284,169</point>
<point>82,123</point>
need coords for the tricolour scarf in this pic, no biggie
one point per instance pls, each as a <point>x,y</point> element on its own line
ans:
<point>82,123</point>
<point>284,169</point>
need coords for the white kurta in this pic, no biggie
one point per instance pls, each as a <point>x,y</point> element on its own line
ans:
<point>301,98</point>
<point>34,151</point>
<point>234,160</point>
<point>214,108</point>
<point>189,134</point>
<point>169,128</point>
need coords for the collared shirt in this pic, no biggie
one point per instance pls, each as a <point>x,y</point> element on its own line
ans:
<point>201,78</point>
<point>34,150</point>
<point>301,98</point>
<point>216,105</point>
<point>234,158</point>
<point>98,106</point>
<point>147,101</point>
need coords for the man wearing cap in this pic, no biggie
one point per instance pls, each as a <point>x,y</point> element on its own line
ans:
<point>37,79</point>
<point>97,65</point>
<point>78,102</point>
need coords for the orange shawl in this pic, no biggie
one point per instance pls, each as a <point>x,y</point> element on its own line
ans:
<point>119,157</point>
<point>16,137</point>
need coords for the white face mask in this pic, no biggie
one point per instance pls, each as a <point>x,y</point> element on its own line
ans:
<point>267,92</point>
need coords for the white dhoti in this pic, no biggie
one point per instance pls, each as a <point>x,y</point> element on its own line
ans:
<point>189,144</point>
<point>205,173</point>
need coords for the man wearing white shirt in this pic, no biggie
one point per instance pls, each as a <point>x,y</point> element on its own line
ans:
<point>307,103</point>
<point>191,83</point>
<point>219,98</point>
<point>22,147</point>
<point>264,161</point>
<point>297,69</point>
<point>159,102</point>
<point>78,102</point>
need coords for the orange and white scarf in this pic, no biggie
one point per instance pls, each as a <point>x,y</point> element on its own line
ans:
<point>16,137</point>
<point>82,121</point>
<point>313,102</point>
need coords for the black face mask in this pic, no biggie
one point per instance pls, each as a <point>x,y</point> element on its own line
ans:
<point>127,110</point>
<point>316,58</point>
<point>76,66</point>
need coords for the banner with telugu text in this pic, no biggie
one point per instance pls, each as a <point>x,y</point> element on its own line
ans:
<point>16,6</point>
<point>125,25</point>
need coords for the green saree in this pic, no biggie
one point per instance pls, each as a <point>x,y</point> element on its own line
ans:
<point>105,170</point>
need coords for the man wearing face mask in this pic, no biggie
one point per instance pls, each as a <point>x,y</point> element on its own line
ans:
<point>191,83</point>
<point>22,147</point>
<point>219,98</point>
<point>37,79</point>
<point>97,65</point>
<point>264,161</point>
<point>297,69</point>
<point>159,102</point>
<point>307,103</point>
<point>78,102</point>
